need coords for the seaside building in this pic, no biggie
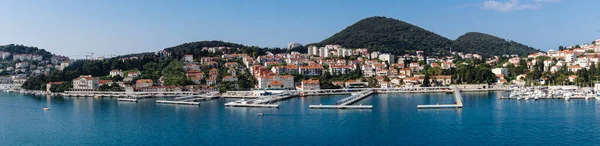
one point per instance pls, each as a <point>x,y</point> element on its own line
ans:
<point>85,82</point>
<point>310,85</point>
<point>276,81</point>
<point>143,83</point>
<point>311,70</point>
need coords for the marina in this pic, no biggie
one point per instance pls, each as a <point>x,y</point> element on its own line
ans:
<point>486,113</point>
<point>565,93</point>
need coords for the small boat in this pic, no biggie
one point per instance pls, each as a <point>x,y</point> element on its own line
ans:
<point>260,114</point>
<point>46,109</point>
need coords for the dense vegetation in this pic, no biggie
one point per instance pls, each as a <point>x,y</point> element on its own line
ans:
<point>151,66</point>
<point>394,36</point>
<point>489,45</point>
<point>387,35</point>
<point>21,49</point>
<point>195,48</point>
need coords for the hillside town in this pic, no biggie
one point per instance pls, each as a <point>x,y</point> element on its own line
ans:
<point>329,67</point>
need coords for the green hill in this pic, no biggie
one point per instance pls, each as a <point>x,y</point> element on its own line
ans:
<point>489,45</point>
<point>387,35</point>
<point>21,49</point>
<point>394,36</point>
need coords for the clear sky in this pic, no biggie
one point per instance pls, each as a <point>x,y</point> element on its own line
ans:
<point>107,27</point>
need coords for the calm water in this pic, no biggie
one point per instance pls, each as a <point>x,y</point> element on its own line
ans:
<point>395,120</point>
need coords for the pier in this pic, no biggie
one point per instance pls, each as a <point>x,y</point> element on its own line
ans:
<point>346,102</point>
<point>178,102</point>
<point>190,100</point>
<point>127,99</point>
<point>263,102</point>
<point>458,102</point>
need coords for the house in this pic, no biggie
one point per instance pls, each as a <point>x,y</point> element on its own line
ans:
<point>195,75</point>
<point>103,82</point>
<point>311,70</point>
<point>116,72</point>
<point>310,85</point>
<point>21,64</point>
<point>161,89</point>
<point>143,83</point>
<point>232,71</point>
<point>231,65</point>
<point>50,84</point>
<point>343,69</point>
<point>230,79</point>
<point>448,65</point>
<point>440,80</point>
<point>213,72</point>
<point>574,68</point>
<point>385,85</point>
<point>191,66</point>
<point>355,84</point>
<point>572,78</point>
<point>188,58</point>
<point>133,74</point>
<point>499,71</point>
<point>211,80</point>
<point>85,82</point>
<point>276,81</point>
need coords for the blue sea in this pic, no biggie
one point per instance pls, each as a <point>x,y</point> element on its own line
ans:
<point>394,120</point>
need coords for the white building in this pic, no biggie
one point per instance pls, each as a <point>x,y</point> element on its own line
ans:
<point>64,65</point>
<point>498,71</point>
<point>314,70</point>
<point>313,50</point>
<point>387,57</point>
<point>374,55</point>
<point>337,70</point>
<point>116,72</point>
<point>324,52</point>
<point>21,64</point>
<point>310,85</point>
<point>188,58</point>
<point>85,83</point>
<point>276,81</point>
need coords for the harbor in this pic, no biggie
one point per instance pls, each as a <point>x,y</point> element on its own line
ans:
<point>562,93</point>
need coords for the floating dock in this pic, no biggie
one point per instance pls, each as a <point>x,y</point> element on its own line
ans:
<point>178,102</point>
<point>439,106</point>
<point>341,106</point>
<point>265,102</point>
<point>346,102</point>
<point>233,104</point>
<point>458,103</point>
<point>127,99</point>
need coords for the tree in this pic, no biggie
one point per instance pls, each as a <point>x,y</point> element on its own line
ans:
<point>426,82</point>
<point>104,87</point>
<point>117,78</point>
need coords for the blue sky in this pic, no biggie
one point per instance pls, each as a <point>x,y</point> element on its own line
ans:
<point>119,27</point>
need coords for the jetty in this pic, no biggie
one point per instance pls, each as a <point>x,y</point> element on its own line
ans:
<point>190,100</point>
<point>346,102</point>
<point>457,104</point>
<point>263,102</point>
